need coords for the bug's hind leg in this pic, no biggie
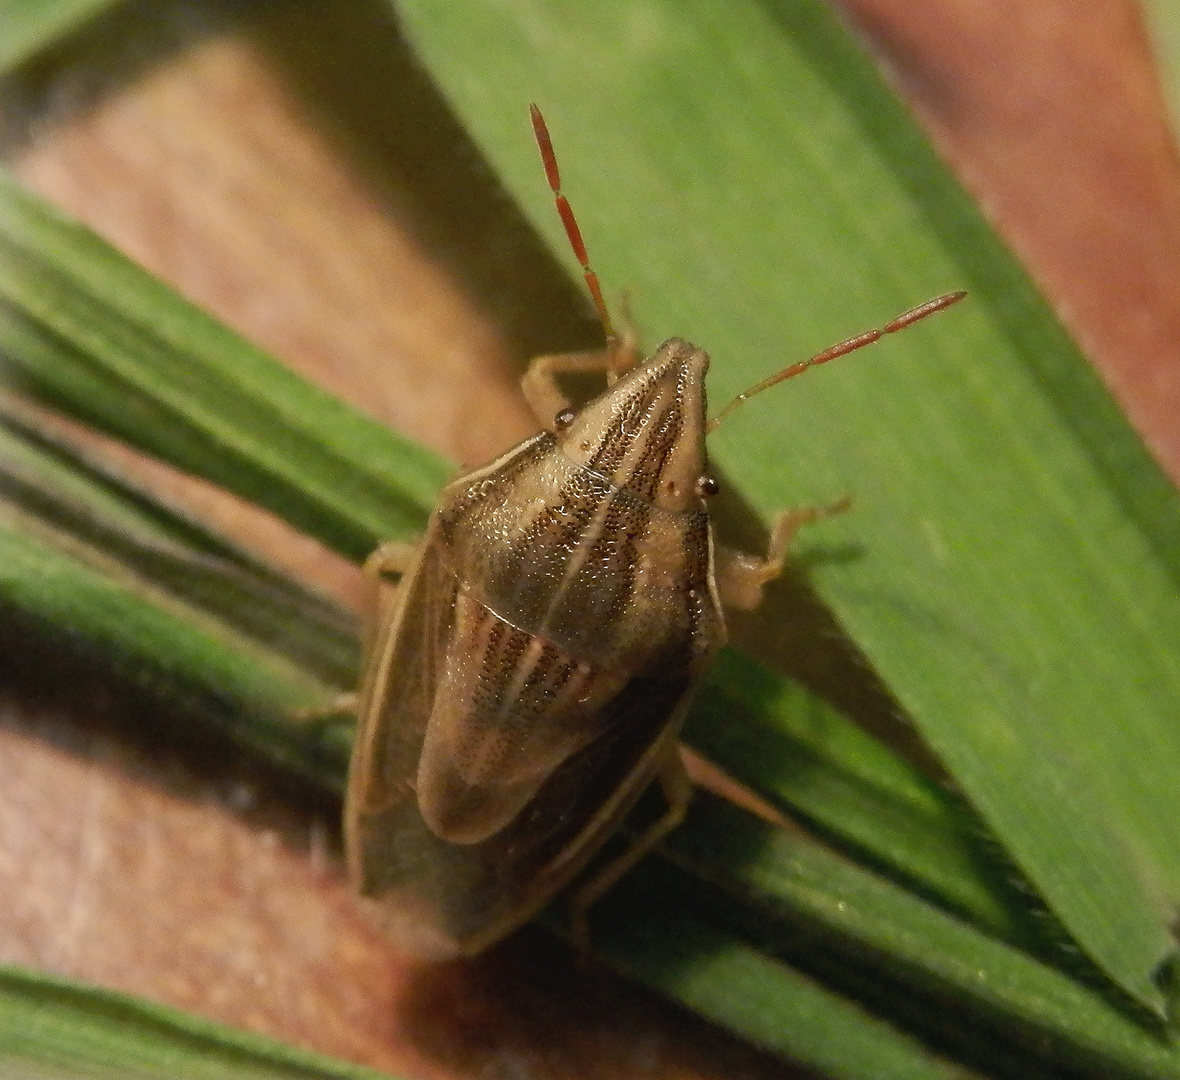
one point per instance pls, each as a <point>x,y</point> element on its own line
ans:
<point>677,791</point>
<point>741,577</point>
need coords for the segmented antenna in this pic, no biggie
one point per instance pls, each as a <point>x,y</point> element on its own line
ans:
<point>906,318</point>
<point>566,213</point>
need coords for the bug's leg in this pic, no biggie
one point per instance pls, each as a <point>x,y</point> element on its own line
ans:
<point>741,577</point>
<point>341,706</point>
<point>545,396</point>
<point>541,390</point>
<point>677,790</point>
<point>392,559</point>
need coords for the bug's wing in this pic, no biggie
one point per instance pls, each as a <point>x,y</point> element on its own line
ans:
<point>391,855</point>
<point>527,686</point>
<point>509,708</point>
<point>564,792</point>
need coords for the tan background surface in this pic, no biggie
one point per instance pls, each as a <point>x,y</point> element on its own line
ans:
<point>178,875</point>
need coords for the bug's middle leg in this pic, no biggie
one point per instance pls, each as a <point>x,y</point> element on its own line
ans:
<point>677,790</point>
<point>741,577</point>
<point>390,559</point>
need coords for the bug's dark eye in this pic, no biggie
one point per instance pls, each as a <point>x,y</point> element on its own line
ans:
<point>707,487</point>
<point>563,419</point>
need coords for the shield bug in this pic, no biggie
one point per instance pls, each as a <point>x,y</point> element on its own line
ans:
<point>528,680</point>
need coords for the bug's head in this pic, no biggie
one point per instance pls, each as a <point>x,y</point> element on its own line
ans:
<point>647,431</point>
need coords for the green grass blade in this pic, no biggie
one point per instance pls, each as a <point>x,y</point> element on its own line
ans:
<point>55,1029</point>
<point>105,516</point>
<point>199,663</point>
<point>29,26</point>
<point>795,897</point>
<point>1010,567</point>
<point>803,756</point>
<point>85,328</point>
<point>772,1005</point>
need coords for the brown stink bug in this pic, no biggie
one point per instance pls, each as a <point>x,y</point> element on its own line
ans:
<point>530,677</point>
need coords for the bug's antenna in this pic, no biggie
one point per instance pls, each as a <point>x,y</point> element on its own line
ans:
<point>566,213</point>
<point>906,318</point>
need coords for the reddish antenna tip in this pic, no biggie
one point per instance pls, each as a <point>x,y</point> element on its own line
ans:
<point>908,318</point>
<point>545,145</point>
<point>566,213</point>
<point>843,348</point>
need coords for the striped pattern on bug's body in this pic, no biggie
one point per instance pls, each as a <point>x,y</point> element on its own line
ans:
<point>538,664</point>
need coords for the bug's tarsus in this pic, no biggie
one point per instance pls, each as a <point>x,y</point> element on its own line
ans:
<point>566,213</point>
<point>843,348</point>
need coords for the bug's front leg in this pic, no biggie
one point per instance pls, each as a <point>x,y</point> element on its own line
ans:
<point>741,577</point>
<point>676,786</point>
<point>545,396</point>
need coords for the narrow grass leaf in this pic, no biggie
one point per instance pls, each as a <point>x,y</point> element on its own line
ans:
<point>84,328</point>
<point>199,663</point>
<point>1163,23</point>
<point>106,515</point>
<point>55,1029</point>
<point>795,898</point>
<point>803,756</point>
<point>722,977</point>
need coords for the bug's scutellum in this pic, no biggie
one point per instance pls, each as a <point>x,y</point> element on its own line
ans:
<point>529,678</point>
